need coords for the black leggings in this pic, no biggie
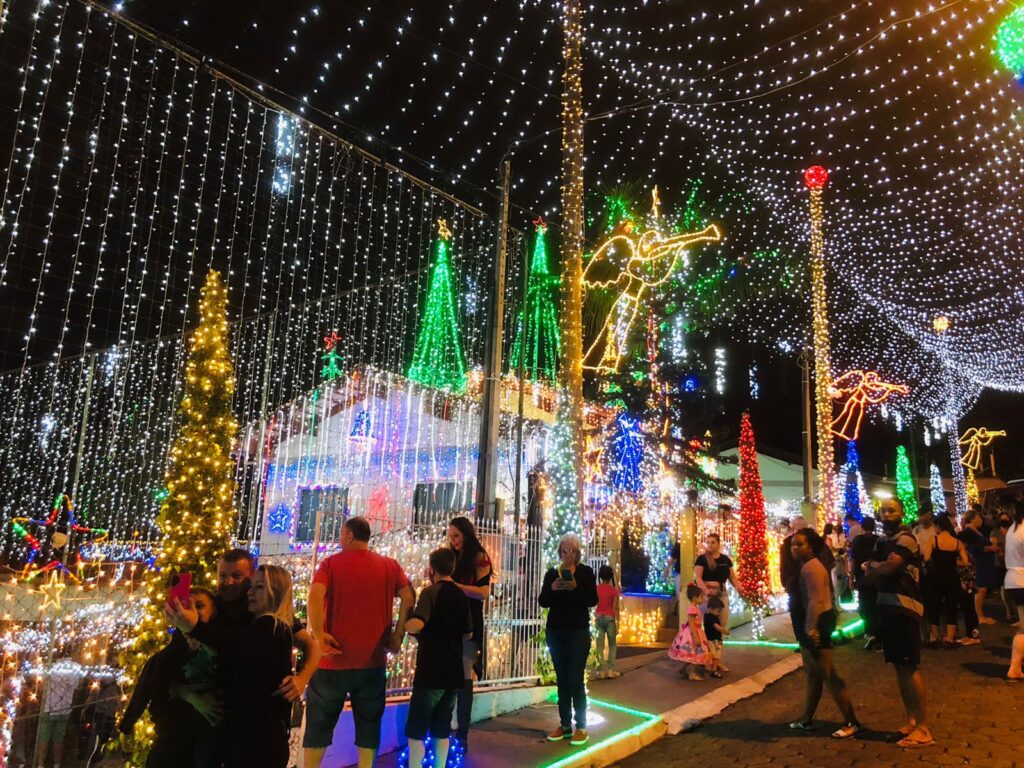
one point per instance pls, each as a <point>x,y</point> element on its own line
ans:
<point>943,602</point>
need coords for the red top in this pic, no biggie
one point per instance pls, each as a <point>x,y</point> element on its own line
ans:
<point>606,594</point>
<point>360,605</point>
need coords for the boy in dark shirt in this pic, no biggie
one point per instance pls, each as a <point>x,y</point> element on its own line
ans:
<point>714,630</point>
<point>440,621</point>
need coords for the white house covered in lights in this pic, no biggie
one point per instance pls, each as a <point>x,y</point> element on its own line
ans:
<point>377,444</point>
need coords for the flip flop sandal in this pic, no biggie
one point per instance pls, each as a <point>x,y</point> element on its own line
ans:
<point>1014,679</point>
<point>914,743</point>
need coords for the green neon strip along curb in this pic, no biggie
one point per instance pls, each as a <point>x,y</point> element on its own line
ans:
<point>648,718</point>
<point>846,630</point>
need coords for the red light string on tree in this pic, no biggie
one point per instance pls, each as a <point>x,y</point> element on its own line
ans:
<point>752,568</point>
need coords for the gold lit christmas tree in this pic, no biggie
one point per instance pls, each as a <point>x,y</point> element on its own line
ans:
<point>197,517</point>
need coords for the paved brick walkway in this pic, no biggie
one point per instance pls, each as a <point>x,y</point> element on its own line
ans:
<point>977,719</point>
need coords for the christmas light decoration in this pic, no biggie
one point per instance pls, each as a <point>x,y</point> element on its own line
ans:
<point>959,479</point>
<point>815,178</point>
<point>658,547</point>
<point>1009,42</point>
<point>627,454</point>
<point>854,494</point>
<point>858,390</point>
<point>438,360</point>
<point>631,264</point>
<point>977,439</point>
<point>752,556</point>
<point>935,492</point>
<point>198,516</point>
<point>905,490</point>
<point>567,515</point>
<point>567,481</point>
<point>279,519</point>
<point>60,525</point>
<point>538,343</point>
<point>971,484</point>
<point>332,360</point>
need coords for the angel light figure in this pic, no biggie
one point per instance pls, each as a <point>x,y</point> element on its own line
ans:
<point>976,439</point>
<point>861,389</point>
<point>632,264</point>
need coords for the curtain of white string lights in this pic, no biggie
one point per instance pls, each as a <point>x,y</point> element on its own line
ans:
<point>131,170</point>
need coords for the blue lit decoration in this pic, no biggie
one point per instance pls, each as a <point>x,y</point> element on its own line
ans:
<point>279,519</point>
<point>851,472</point>
<point>361,426</point>
<point>456,755</point>
<point>691,383</point>
<point>627,454</point>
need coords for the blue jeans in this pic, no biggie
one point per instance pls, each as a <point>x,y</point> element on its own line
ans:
<point>569,649</point>
<point>606,628</point>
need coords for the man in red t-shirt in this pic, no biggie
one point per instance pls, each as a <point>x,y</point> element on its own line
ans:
<point>351,605</point>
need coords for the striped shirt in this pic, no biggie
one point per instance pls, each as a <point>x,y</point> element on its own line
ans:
<point>900,591</point>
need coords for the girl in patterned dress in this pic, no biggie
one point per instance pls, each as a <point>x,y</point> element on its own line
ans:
<point>691,646</point>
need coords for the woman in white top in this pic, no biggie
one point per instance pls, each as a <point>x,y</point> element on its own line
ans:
<point>1014,584</point>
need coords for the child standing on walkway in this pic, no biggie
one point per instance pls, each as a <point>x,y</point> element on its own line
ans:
<point>713,631</point>
<point>691,646</point>
<point>607,622</point>
<point>440,621</point>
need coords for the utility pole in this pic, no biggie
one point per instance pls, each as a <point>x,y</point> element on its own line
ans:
<point>571,239</point>
<point>815,178</point>
<point>490,407</point>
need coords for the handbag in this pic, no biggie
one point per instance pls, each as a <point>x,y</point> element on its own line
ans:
<point>965,572</point>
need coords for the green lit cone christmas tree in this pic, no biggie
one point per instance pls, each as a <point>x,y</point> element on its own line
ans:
<point>538,344</point>
<point>438,360</point>
<point>905,486</point>
<point>752,556</point>
<point>197,516</point>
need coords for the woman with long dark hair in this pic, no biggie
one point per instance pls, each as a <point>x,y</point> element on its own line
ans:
<point>473,573</point>
<point>947,556</point>
<point>814,620</point>
<point>1014,583</point>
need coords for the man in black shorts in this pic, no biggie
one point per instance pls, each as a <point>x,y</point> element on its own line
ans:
<point>895,569</point>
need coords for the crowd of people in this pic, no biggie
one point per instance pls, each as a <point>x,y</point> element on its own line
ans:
<point>225,693</point>
<point>913,586</point>
<point>225,690</point>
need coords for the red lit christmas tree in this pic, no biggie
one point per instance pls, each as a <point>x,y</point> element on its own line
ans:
<point>752,556</point>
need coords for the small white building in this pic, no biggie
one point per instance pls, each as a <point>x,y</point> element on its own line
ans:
<point>376,444</point>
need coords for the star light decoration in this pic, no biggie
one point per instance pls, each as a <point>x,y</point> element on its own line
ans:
<point>52,589</point>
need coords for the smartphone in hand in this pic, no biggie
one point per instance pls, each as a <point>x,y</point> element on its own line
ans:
<point>565,574</point>
<point>181,583</point>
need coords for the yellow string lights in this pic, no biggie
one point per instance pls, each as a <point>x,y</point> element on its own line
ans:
<point>197,517</point>
<point>976,439</point>
<point>815,178</point>
<point>632,264</point>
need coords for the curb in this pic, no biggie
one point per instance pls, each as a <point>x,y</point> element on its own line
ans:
<point>683,718</point>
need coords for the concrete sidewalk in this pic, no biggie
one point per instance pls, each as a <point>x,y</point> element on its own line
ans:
<point>648,701</point>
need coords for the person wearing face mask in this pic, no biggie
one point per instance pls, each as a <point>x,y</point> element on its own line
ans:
<point>894,570</point>
<point>1004,521</point>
